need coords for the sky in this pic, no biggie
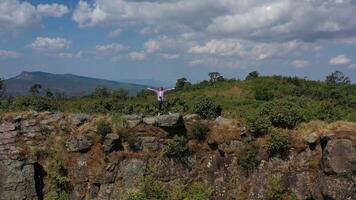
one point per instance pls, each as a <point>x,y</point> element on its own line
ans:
<point>168,39</point>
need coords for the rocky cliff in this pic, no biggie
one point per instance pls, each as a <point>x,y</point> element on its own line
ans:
<point>66,156</point>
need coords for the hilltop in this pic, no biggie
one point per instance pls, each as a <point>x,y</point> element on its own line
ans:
<point>69,84</point>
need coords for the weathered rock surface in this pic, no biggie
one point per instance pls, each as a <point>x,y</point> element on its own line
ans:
<point>101,169</point>
<point>132,120</point>
<point>339,156</point>
<point>112,142</point>
<point>79,119</point>
<point>172,120</point>
<point>80,143</point>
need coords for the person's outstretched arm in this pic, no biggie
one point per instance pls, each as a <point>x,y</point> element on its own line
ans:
<point>167,90</point>
<point>153,90</point>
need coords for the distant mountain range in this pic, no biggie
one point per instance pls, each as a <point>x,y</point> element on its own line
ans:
<point>69,84</point>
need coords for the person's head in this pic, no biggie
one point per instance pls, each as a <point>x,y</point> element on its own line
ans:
<point>161,88</point>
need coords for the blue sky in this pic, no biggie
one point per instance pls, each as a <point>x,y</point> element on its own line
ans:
<point>168,39</point>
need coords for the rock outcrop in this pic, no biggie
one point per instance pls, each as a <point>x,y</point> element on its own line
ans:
<point>43,154</point>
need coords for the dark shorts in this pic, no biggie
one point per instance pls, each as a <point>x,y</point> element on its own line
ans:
<point>159,105</point>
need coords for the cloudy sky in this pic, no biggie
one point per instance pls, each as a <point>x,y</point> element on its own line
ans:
<point>169,39</point>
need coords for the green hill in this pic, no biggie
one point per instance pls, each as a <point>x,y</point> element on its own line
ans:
<point>69,84</point>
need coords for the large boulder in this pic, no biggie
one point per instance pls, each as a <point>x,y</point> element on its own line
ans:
<point>339,156</point>
<point>172,120</point>
<point>79,119</point>
<point>191,117</point>
<point>112,142</point>
<point>17,180</point>
<point>150,120</point>
<point>80,143</point>
<point>132,121</point>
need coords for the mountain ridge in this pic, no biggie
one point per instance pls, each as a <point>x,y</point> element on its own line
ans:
<point>73,85</point>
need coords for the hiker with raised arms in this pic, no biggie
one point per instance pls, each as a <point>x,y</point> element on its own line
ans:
<point>160,97</point>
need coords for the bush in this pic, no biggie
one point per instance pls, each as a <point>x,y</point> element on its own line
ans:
<point>199,131</point>
<point>131,139</point>
<point>252,75</point>
<point>36,103</point>
<point>328,111</point>
<point>206,108</point>
<point>275,189</point>
<point>103,128</point>
<point>284,113</point>
<point>277,142</point>
<point>247,155</point>
<point>177,148</point>
<point>263,94</point>
<point>58,176</point>
<point>197,191</point>
<point>259,125</point>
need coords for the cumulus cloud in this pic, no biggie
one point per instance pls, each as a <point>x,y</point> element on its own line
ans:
<point>137,55</point>
<point>270,19</point>
<point>301,63</point>
<point>114,47</point>
<point>115,33</point>
<point>352,66</point>
<point>48,44</point>
<point>340,60</point>
<point>53,10</point>
<point>4,54</point>
<point>17,15</point>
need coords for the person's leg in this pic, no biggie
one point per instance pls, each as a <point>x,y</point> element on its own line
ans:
<point>159,106</point>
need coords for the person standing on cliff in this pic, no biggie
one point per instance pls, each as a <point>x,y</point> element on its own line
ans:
<point>160,97</point>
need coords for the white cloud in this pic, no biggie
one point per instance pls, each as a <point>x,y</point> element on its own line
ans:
<point>301,64</point>
<point>170,56</point>
<point>114,47</point>
<point>352,66</point>
<point>115,33</point>
<point>137,55</point>
<point>4,54</point>
<point>347,41</point>
<point>269,20</point>
<point>47,44</point>
<point>17,15</point>
<point>53,10</point>
<point>340,60</point>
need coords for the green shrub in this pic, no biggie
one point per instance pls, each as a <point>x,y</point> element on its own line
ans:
<point>58,176</point>
<point>247,155</point>
<point>44,130</point>
<point>275,189</point>
<point>136,196</point>
<point>153,189</point>
<point>284,113</point>
<point>259,125</point>
<point>206,108</point>
<point>199,131</point>
<point>277,142</point>
<point>103,128</point>
<point>198,191</point>
<point>328,111</point>
<point>36,103</point>
<point>131,139</point>
<point>264,94</point>
<point>176,148</point>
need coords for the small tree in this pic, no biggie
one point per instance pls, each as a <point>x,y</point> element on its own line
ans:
<point>100,92</point>
<point>206,108</point>
<point>277,142</point>
<point>35,89</point>
<point>2,87</point>
<point>49,93</point>
<point>215,77</point>
<point>252,75</point>
<point>120,94</point>
<point>337,77</point>
<point>181,83</point>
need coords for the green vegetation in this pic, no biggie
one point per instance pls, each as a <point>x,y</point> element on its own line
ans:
<point>247,155</point>
<point>277,191</point>
<point>58,176</point>
<point>277,142</point>
<point>199,131</point>
<point>259,100</point>
<point>177,148</point>
<point>103,128</point>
